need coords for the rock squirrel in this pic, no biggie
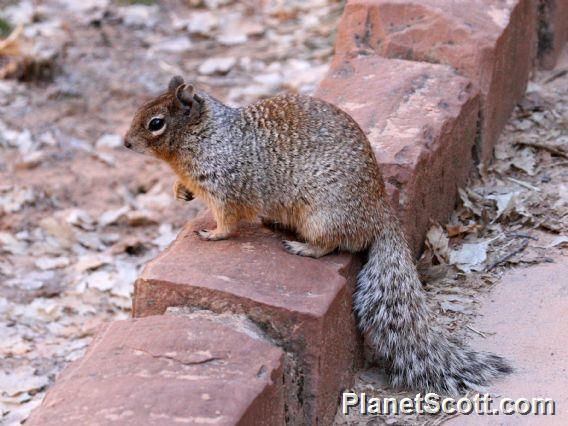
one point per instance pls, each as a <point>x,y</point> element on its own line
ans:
<point>305,164</point>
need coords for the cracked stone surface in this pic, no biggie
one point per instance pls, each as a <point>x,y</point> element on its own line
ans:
<point>491,42</point>
<point>169,369</point>
<point>421,121</point>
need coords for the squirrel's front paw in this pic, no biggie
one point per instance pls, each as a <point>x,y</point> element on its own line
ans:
<point>206,235</point>
<point>181,192</point>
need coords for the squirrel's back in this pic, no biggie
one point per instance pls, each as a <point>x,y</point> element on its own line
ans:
<point>315,157</point>
<point>297,126</point>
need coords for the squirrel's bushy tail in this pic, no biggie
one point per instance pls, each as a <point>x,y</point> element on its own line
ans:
<point>393,314</point>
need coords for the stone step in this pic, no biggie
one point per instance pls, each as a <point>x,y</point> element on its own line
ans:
<point>303,304</point>
<point>187,369</point>
<point>421,121</point>
<point>422,126</point>
<point>491,42</point>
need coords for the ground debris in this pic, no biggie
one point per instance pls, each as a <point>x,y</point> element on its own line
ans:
<point>79,214</point>
<point>28,59</point>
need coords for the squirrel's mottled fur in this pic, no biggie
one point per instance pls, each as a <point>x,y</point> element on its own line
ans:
<point>305,164</point>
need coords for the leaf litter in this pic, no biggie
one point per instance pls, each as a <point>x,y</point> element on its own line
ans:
<point>79,214</point>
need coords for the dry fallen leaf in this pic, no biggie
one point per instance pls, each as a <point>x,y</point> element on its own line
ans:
<point>15,199</point>
<point>156,199</point>
<point>167,235</point>
<point>11,244</point>
<point>17,414</point>
<point>469,257</point>
<point>46,263</point>
<point>561,240</point>
<point>22,379</point>
<point>80,218</point>
<point>142,218</point>
<point>438,242</point>
<point>525,161</point>
<point>454,307</point>
<point>454,230</point>
<point>14,346</point>
<point>110,217</point>
<point>100,280</point>
<point>468,203</point>
<point>60,229</point>
<point>505,202</point>
<point>90,262</point>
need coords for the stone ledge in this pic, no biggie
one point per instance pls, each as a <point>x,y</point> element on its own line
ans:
<point>166,370</point>
<point>491,42</point>
<point>303,304</point>
<point>421,121</point>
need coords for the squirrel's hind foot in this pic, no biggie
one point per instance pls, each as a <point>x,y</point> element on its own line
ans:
<point>305,249</point>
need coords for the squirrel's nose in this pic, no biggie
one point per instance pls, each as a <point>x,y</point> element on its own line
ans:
<point>127,143</point>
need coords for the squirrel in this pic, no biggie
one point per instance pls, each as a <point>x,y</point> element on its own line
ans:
<point>306,165</point>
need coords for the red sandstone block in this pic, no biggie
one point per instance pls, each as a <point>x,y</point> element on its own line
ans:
<point>304,304</point>
<point>492,42</point>
<point>421,121</point>
<point>553,31</point>
<point>169,370</point>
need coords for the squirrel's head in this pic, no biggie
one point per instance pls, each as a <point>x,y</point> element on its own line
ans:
<point>158,123</point>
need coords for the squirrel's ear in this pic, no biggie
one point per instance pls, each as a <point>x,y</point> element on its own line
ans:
<point>184,96</point>
<point>188,102</point>
<point>175,82</point>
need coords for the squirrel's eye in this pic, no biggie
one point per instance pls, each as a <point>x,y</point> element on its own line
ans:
<point>156,124</point>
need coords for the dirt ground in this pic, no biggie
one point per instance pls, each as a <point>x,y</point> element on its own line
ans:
<point>80,215</point>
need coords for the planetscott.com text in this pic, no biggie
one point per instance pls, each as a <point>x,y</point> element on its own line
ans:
<point>432,403</point>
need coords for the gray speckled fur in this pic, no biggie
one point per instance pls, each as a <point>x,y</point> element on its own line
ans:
<point>303,163</point>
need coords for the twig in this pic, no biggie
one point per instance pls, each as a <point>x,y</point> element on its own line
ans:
<point>5,44</point>
<point>549,227</point>
<point>560,163</point>
<point>556,75</point>
<point>551,148</point>
<point>524,184</point>
<point>508,256</point>
<point>476,331</point>
<point>521,235</point>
